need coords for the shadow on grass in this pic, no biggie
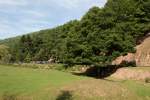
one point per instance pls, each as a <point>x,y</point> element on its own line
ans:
<point>65,95</point>
<point>7,96</point>
<point>99,72</point>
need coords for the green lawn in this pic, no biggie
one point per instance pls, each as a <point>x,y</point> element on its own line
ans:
<point>37,84</point>
<point>26,80</point>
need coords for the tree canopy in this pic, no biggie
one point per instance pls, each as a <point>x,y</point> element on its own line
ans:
<point>98,38</point>
<point>4,54</point>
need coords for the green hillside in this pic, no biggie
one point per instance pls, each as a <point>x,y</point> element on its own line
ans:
<point>99,37</point>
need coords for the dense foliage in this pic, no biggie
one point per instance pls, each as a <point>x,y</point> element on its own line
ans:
<point>5,55</point>
<point>98,38</point>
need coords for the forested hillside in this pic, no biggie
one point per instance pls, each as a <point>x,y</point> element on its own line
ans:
<point>99,37</point>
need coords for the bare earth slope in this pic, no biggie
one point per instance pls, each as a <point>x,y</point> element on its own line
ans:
<point>142,55</point>
<point>136,73</point>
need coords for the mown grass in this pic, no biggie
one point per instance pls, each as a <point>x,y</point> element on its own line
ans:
<point>140,89</point>
<point>15,79</point>
<point>40,84</point>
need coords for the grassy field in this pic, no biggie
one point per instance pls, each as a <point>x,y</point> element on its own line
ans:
<point>39,84</point>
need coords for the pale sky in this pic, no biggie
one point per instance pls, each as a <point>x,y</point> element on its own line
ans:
<point>18,17</point>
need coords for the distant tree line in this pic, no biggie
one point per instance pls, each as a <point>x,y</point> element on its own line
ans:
<point>5,55</point>
<point>97,39</point>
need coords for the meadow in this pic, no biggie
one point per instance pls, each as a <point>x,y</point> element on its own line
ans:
<point>18,83</point>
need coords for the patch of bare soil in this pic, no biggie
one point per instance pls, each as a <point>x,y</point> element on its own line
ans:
<point>129,73</point>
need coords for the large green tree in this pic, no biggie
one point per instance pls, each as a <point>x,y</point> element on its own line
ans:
<point>98,38</point>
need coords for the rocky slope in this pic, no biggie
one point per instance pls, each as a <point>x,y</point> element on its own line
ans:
<point>141,57</point>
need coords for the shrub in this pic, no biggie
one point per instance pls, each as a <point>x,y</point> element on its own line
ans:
<point>128,64</point>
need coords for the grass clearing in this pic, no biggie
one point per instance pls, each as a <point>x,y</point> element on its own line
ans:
<point>14,79</point>
<point>40,84</point>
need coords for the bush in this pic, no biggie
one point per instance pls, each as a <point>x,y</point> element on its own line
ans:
<point>128,64</point>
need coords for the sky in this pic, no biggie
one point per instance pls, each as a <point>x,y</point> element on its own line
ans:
<point>18,17</point>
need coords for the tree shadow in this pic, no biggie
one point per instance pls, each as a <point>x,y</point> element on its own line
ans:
<point>99,72</point>
<point>65,95</point>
